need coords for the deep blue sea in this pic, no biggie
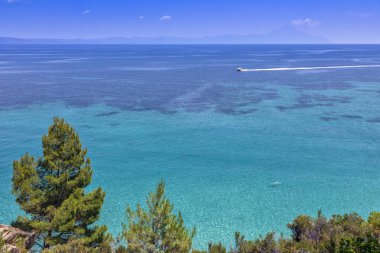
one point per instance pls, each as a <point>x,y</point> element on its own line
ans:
<point>219,138</point>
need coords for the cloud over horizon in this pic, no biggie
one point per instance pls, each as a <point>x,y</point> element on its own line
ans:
<point>165,18</point>
<point>304,22</point>
<point>85,12</point>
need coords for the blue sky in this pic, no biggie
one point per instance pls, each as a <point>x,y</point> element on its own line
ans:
<point>341,21</point>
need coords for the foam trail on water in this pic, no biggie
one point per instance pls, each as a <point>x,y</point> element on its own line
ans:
<point>310,68</point>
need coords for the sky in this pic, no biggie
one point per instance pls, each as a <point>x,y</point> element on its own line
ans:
<point>340,21</point>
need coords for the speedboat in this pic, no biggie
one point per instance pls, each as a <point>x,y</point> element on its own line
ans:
<point>239,69</point>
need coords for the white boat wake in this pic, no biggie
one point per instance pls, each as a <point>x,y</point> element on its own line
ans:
<point>309,68</point>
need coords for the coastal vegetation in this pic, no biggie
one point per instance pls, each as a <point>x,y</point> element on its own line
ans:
<point>157,229</point>
<point>51,191</point>
<point>61,216</point>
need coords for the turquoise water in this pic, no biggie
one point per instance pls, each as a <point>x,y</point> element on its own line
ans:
<point>218,138</point>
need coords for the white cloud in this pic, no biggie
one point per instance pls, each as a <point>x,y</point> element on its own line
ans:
<point>141,17</point>
<point>305,22</point>
<point>85,12</point>
<point>11,1</point>
<point>365,15</point>
<point>165,18</point>
<point>359,14</point>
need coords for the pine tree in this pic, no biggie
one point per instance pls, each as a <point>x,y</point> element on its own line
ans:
<point>51,191</point>
<point>157,230</point>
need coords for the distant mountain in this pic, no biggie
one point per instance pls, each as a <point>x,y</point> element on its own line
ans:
<point>286,35</point>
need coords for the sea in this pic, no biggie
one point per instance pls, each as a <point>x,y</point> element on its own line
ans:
<point>239,151</point>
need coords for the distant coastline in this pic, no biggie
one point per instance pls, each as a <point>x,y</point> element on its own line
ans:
<point>286,35</point>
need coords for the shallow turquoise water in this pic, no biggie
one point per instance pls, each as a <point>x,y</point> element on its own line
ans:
<point>316,133</point>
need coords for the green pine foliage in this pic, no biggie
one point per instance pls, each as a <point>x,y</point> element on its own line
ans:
<point>267,244</point>
<point>216,248</point>
<point>51,191</point>
<point>374,221</point>
<point>368,244</point>
<point>157,229</point>
<point>77,246</point>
